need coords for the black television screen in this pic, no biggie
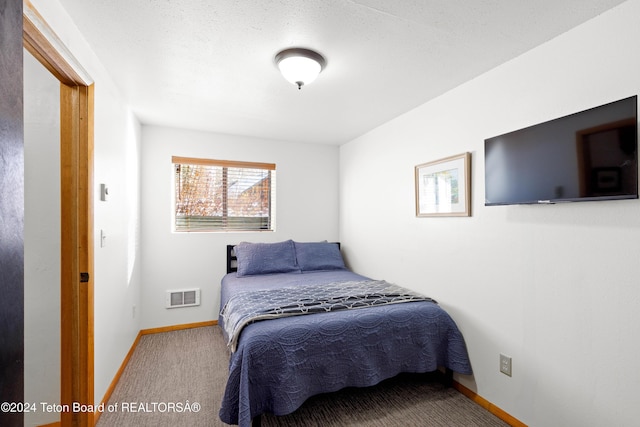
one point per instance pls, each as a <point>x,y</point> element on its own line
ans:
<point>590,155</point>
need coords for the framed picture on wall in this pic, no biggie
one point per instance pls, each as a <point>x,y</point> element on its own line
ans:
<point>443,187</point>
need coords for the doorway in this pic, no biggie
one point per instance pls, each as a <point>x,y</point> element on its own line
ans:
<point>41,240</point>
<point>76,215</point>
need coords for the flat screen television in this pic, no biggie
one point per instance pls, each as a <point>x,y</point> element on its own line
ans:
<point>587,156</point>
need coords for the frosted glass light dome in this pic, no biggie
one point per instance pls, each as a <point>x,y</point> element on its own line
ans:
<point>300,66</point>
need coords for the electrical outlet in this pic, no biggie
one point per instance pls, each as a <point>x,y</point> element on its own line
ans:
<point>505,364</point>
<point>133,311</point>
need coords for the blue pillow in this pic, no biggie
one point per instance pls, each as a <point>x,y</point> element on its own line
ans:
<point>318,256</point>
<point>266,258</point>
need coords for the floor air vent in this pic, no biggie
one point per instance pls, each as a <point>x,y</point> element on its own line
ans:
<point>185,298</point>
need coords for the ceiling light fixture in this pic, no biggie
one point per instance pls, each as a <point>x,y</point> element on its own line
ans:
<point>300,66</point>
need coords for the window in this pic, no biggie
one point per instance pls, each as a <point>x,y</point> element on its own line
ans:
<point>221,195</point>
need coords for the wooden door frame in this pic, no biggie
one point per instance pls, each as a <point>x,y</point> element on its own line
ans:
<point>76,180</point>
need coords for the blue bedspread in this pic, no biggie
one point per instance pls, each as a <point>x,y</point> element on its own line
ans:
<point>281,362</point>
<point>250,306</point>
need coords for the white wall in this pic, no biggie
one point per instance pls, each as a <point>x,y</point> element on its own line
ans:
<point>116,151</point>
<point>307,210</point>
<point>41,239</point>
<point>118,284</point>
<point>555,287</point>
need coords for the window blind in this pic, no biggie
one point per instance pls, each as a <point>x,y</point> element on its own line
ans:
<point>222,195</point>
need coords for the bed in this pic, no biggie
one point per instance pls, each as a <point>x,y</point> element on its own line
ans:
<point>298,323</point>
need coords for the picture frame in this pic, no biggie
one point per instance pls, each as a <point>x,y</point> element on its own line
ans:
<point>443,187</point>
<point>607,179</point>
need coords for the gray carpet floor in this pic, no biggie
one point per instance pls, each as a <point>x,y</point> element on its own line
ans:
<point>188,369</point>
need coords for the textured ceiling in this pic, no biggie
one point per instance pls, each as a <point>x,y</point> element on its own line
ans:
<point>208,64</point>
